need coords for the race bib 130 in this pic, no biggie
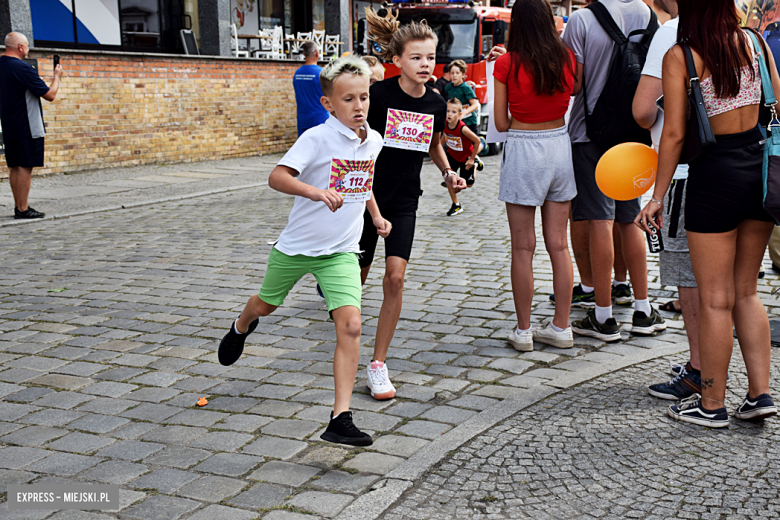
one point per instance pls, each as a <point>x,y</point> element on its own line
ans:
<point>408,130</point>
<point>352,179</point>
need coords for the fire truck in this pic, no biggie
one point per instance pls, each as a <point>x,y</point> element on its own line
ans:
<point>466,31</point>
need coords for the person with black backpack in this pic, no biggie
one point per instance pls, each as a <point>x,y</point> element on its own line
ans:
<point>610,39</point>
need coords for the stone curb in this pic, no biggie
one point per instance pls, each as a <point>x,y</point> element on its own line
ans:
<point>132,205</point>
<point>386,492</point>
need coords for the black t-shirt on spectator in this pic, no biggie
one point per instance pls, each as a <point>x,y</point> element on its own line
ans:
<point>397,171</point>
<point>441,86</point>
<point>21,88</point>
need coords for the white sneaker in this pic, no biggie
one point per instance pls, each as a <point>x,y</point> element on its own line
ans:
<point>549,336</point>
<point>523,341</point>
<point>378,381</point>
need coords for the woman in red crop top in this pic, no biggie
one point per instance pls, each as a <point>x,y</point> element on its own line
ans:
<point>534,81</point>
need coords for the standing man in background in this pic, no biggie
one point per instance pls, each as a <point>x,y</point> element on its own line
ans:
<point>308,91</point>
<point>21,116</point>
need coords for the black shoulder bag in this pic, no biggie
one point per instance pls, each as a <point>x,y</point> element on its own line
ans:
<point>698,135</point>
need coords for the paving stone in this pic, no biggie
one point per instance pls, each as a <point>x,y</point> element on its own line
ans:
<point>81,369</point>
<point>276,408</point>
<point>345,482</point>
<point>152,395</point>
<point>14,457</point>
<point>178,457</point>
<point>131,450</point>
<point>324,457</point>
<point>473,402</point>
<point>516,366</point>
<point>33,436</point>
<point>293,428</point>
<point>447,414</point>
<point>51,417</point>
<point>234,388</point>
<point>217,512</point>
<point>154,378</point>
<point>164,480</point>
<point>8,476</point>
<point>408,410</point>
<point>286,473</point>
<point>212,489</point>
<point>285,515</point>
<point>63,464</point>
<point>119,374</point>
<point>109,389</point>
<point>425,429</point>
<point>261,496</point>
<point>133,430</point>
<point>274,447</point>
<point>232,404</point>
<point>28,395</point>
<point>97,423</point>
<point>18,375</point>
<point>161,508</point>
<point>398,445</point>
<point>243,423</point>
<point>151,412</point>
<point>197,417</point>
<point>64,400</point>
<point>221,441</point>
<point>377,463</point>
<point>174,434</point>
<point>114,472</point>
<point>230,464</point>
<point>80,443</point>
<point>326,504</point>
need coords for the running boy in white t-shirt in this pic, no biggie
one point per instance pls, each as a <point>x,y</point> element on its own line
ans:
<point>330,171</point>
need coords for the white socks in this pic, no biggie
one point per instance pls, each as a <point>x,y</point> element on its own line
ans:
<point>603,313</point>
<point>556,329</point>
<point>585,288</point>
<point>520,331</point>
<point>615,283</point>
<point>643,306</point>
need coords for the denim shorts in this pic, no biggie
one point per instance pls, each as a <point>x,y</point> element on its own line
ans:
<point>537,167</point>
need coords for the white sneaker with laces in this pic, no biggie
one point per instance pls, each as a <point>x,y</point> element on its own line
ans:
<point>378,381</point>
<point>549,336</point>
<point>522,341</point>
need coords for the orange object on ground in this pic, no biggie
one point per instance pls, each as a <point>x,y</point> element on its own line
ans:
<point>202,401</point>
<point>627,171</point>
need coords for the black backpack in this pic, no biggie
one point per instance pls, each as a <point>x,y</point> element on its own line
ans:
<point>612,121</point>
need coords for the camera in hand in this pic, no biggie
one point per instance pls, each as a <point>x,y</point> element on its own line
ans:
<point>654,241</point>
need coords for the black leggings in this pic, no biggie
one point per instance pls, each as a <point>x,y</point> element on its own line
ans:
<point>398,242</point>
<point>725,184</point>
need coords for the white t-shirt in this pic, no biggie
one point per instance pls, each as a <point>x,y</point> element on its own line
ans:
<point>313,229</point>
<point>665,38</point>
<point>593,48</point>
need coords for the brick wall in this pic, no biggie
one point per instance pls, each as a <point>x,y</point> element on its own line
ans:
<point>117,110</point>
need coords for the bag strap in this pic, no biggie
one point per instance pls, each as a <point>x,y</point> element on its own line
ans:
<point>766,78</point>
<point>607,22</point>
<point>690,65</point>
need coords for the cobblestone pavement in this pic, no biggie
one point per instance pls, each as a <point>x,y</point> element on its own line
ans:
<point>109,324</point>
<point>606,449</point>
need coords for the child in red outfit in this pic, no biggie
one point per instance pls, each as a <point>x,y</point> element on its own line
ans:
<point>462,147</point>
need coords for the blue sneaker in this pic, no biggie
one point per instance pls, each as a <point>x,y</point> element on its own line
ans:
<point>756,409</point>
<point>690,410</point>
<point>675,369</point>
<point>580,298</point>
<point>681,387</point>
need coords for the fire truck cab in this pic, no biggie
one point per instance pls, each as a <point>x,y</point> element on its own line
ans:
<point>466,31</point>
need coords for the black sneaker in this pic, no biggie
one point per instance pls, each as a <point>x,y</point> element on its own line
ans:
<point>691,411</point>
<point>479,163</point>
<point>589,326</point>
<point>232,345</point>
<point>644,325</point>
<point>621,293</point>
<point>342,430</point>
<point>580,298</point>
<point>756,409</point>
<point>681,387</point>
<point>28,213</point>
<point>454,210</point>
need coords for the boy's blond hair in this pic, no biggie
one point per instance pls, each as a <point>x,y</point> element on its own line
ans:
<point>456,102</point>
<point>349,64</point>
<point>459,64</point>
<point>371,61</point>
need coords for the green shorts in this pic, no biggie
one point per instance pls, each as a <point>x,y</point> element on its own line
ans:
<point>338,275</point>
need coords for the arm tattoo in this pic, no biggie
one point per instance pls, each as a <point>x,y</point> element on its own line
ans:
<point>707,383</point>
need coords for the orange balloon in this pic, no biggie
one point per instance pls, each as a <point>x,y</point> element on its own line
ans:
<point>627,171</point>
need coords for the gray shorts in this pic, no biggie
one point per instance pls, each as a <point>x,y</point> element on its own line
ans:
<point>675,260</point>
<point>537,166</point>
<point>591,203</point>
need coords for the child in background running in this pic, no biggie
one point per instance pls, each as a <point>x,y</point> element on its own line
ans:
<point>411,116</point>
<point>463,145</point>
<point>326,170</point>
<point>376,68</point>
<point>460,90</point>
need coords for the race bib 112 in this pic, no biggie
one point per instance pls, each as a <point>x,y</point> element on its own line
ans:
<point>352,179</point>
<point>408,130</point>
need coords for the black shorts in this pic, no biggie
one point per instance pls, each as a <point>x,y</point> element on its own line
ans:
<point>474,128</point>
<point>462,171</point>
<point>725,184</point>
<point>24,153</point>
<point>590,203</point>
<point>398,242</point>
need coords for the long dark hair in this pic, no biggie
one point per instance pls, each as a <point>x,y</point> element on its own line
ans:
<point>535,45</point>
<point>710,27</point>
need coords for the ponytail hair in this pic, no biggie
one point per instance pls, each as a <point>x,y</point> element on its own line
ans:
<point>392,37</point>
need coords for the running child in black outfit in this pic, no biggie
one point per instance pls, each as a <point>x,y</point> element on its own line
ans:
<point>411,116</point>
